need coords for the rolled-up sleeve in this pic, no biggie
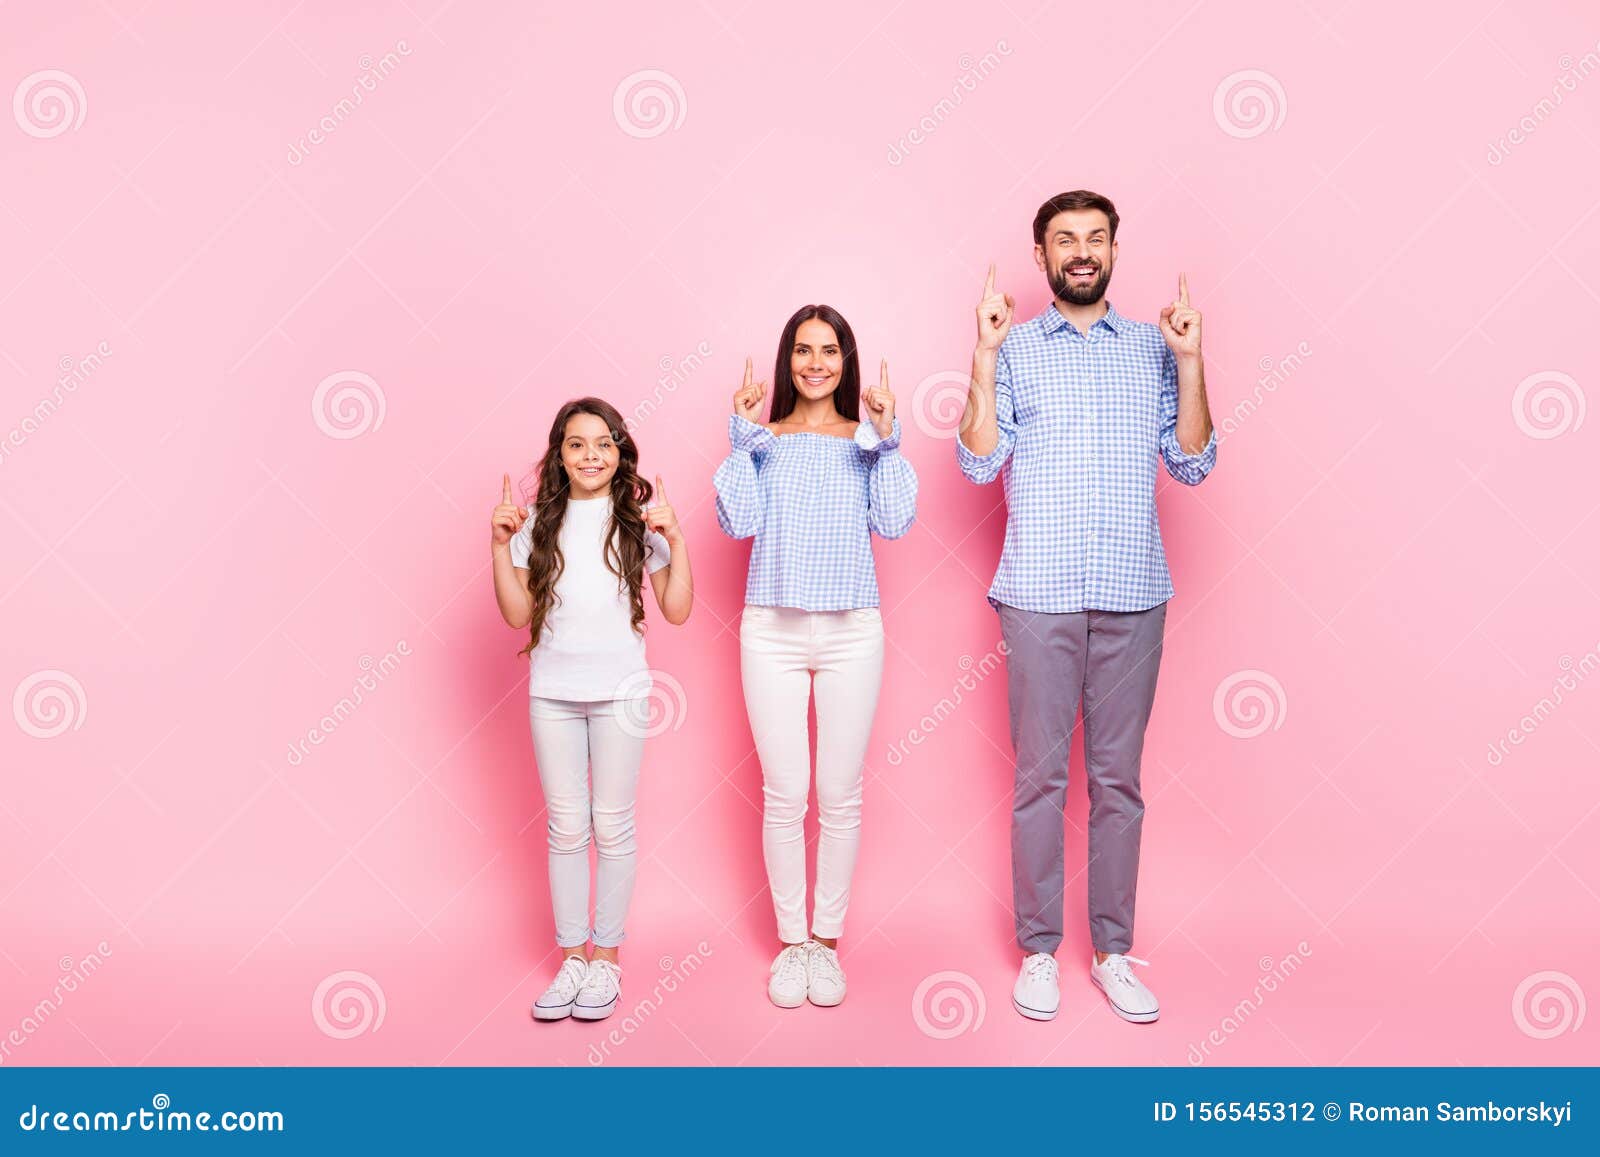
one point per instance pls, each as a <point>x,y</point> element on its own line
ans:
<point>1190,469</point>
<point>982,468</point>
<point>891,482</point>
<point>737,479</point>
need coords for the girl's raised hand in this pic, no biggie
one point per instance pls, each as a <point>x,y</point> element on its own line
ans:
<point>660,517</point>
<point>880,402</point>
<point>747,398</point>
<point>507,518</point>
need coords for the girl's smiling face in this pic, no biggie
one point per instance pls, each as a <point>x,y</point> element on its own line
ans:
<point>589,454</point>
<point>816,361</point>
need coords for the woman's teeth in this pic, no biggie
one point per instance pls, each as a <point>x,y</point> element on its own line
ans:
<point>814,379</point>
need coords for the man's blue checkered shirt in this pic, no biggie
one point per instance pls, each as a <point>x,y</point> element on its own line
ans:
<point>1082,419</point>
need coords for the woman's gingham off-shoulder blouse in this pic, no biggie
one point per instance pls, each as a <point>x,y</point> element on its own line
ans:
<point>812,502</point>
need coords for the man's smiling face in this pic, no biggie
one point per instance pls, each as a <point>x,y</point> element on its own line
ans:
<point>1077,255</point>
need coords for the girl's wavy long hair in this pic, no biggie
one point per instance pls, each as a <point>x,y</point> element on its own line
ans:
<point>625,530</point>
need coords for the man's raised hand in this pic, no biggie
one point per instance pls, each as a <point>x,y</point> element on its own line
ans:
<point>1180,323</point>
<point>994,314</point>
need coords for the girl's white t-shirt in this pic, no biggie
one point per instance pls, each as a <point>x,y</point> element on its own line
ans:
<point>588,648</point>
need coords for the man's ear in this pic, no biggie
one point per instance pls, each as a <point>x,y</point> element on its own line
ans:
<point>1038,257</point>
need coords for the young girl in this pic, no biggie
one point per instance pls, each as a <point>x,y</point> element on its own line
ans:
<point>570,570</point>
<point>811,486</point>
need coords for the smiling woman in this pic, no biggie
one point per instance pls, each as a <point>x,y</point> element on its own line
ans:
<point>811,487</point>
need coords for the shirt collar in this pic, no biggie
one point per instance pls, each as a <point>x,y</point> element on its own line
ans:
<point>1052,319</point>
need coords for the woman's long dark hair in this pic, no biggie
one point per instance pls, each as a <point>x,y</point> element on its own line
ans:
<point>625,530</point>
<point>847,394</point>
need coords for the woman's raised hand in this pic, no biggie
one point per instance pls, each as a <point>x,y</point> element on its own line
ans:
<point>748,397</point>
<point>508,517</point>
<point>880,402</point>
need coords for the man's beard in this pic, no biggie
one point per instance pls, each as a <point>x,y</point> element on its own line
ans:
<point>1088,294</point>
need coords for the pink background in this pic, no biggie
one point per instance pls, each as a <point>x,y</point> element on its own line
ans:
<point>1400,544</point>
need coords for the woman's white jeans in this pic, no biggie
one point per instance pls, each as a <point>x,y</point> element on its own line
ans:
<point>779,648</point>
<point>588,754</point>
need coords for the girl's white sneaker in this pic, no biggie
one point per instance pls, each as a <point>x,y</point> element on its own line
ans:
<point>557,1000</point>
<point>602,988</point>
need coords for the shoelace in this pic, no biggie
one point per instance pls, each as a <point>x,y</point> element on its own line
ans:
<point>1041,965</point>
<point>826,961</point>
<point>574,970</point>
<point>1117,964</point>
<point>602,976</point>
<point>792,963</point>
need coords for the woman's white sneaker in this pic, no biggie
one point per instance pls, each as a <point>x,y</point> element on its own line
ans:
<point>557,1000</point>
<point>790,976</point>
<point>601,990</point>
<point>1128,996</point>
<point>1037,993</point>
<point>824,977</point>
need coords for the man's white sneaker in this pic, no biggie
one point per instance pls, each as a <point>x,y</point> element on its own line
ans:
<point>1037,993</point>
<point>1128,996</point>
<point>556,1002</point>
<point>790,976</point>
<point>601,990</point>
<point>824,977</point>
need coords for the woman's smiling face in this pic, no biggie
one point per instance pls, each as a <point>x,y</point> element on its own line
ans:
<point>816,361</point>
<point>589,454</point>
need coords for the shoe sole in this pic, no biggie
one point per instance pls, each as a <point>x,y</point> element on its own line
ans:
<point>1130,1017</point>
<point>824,1002</point>
<point>1032,1013</point>
<point>781,1004</point>
<point>594,1012</point>
<point>557,1012</point>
